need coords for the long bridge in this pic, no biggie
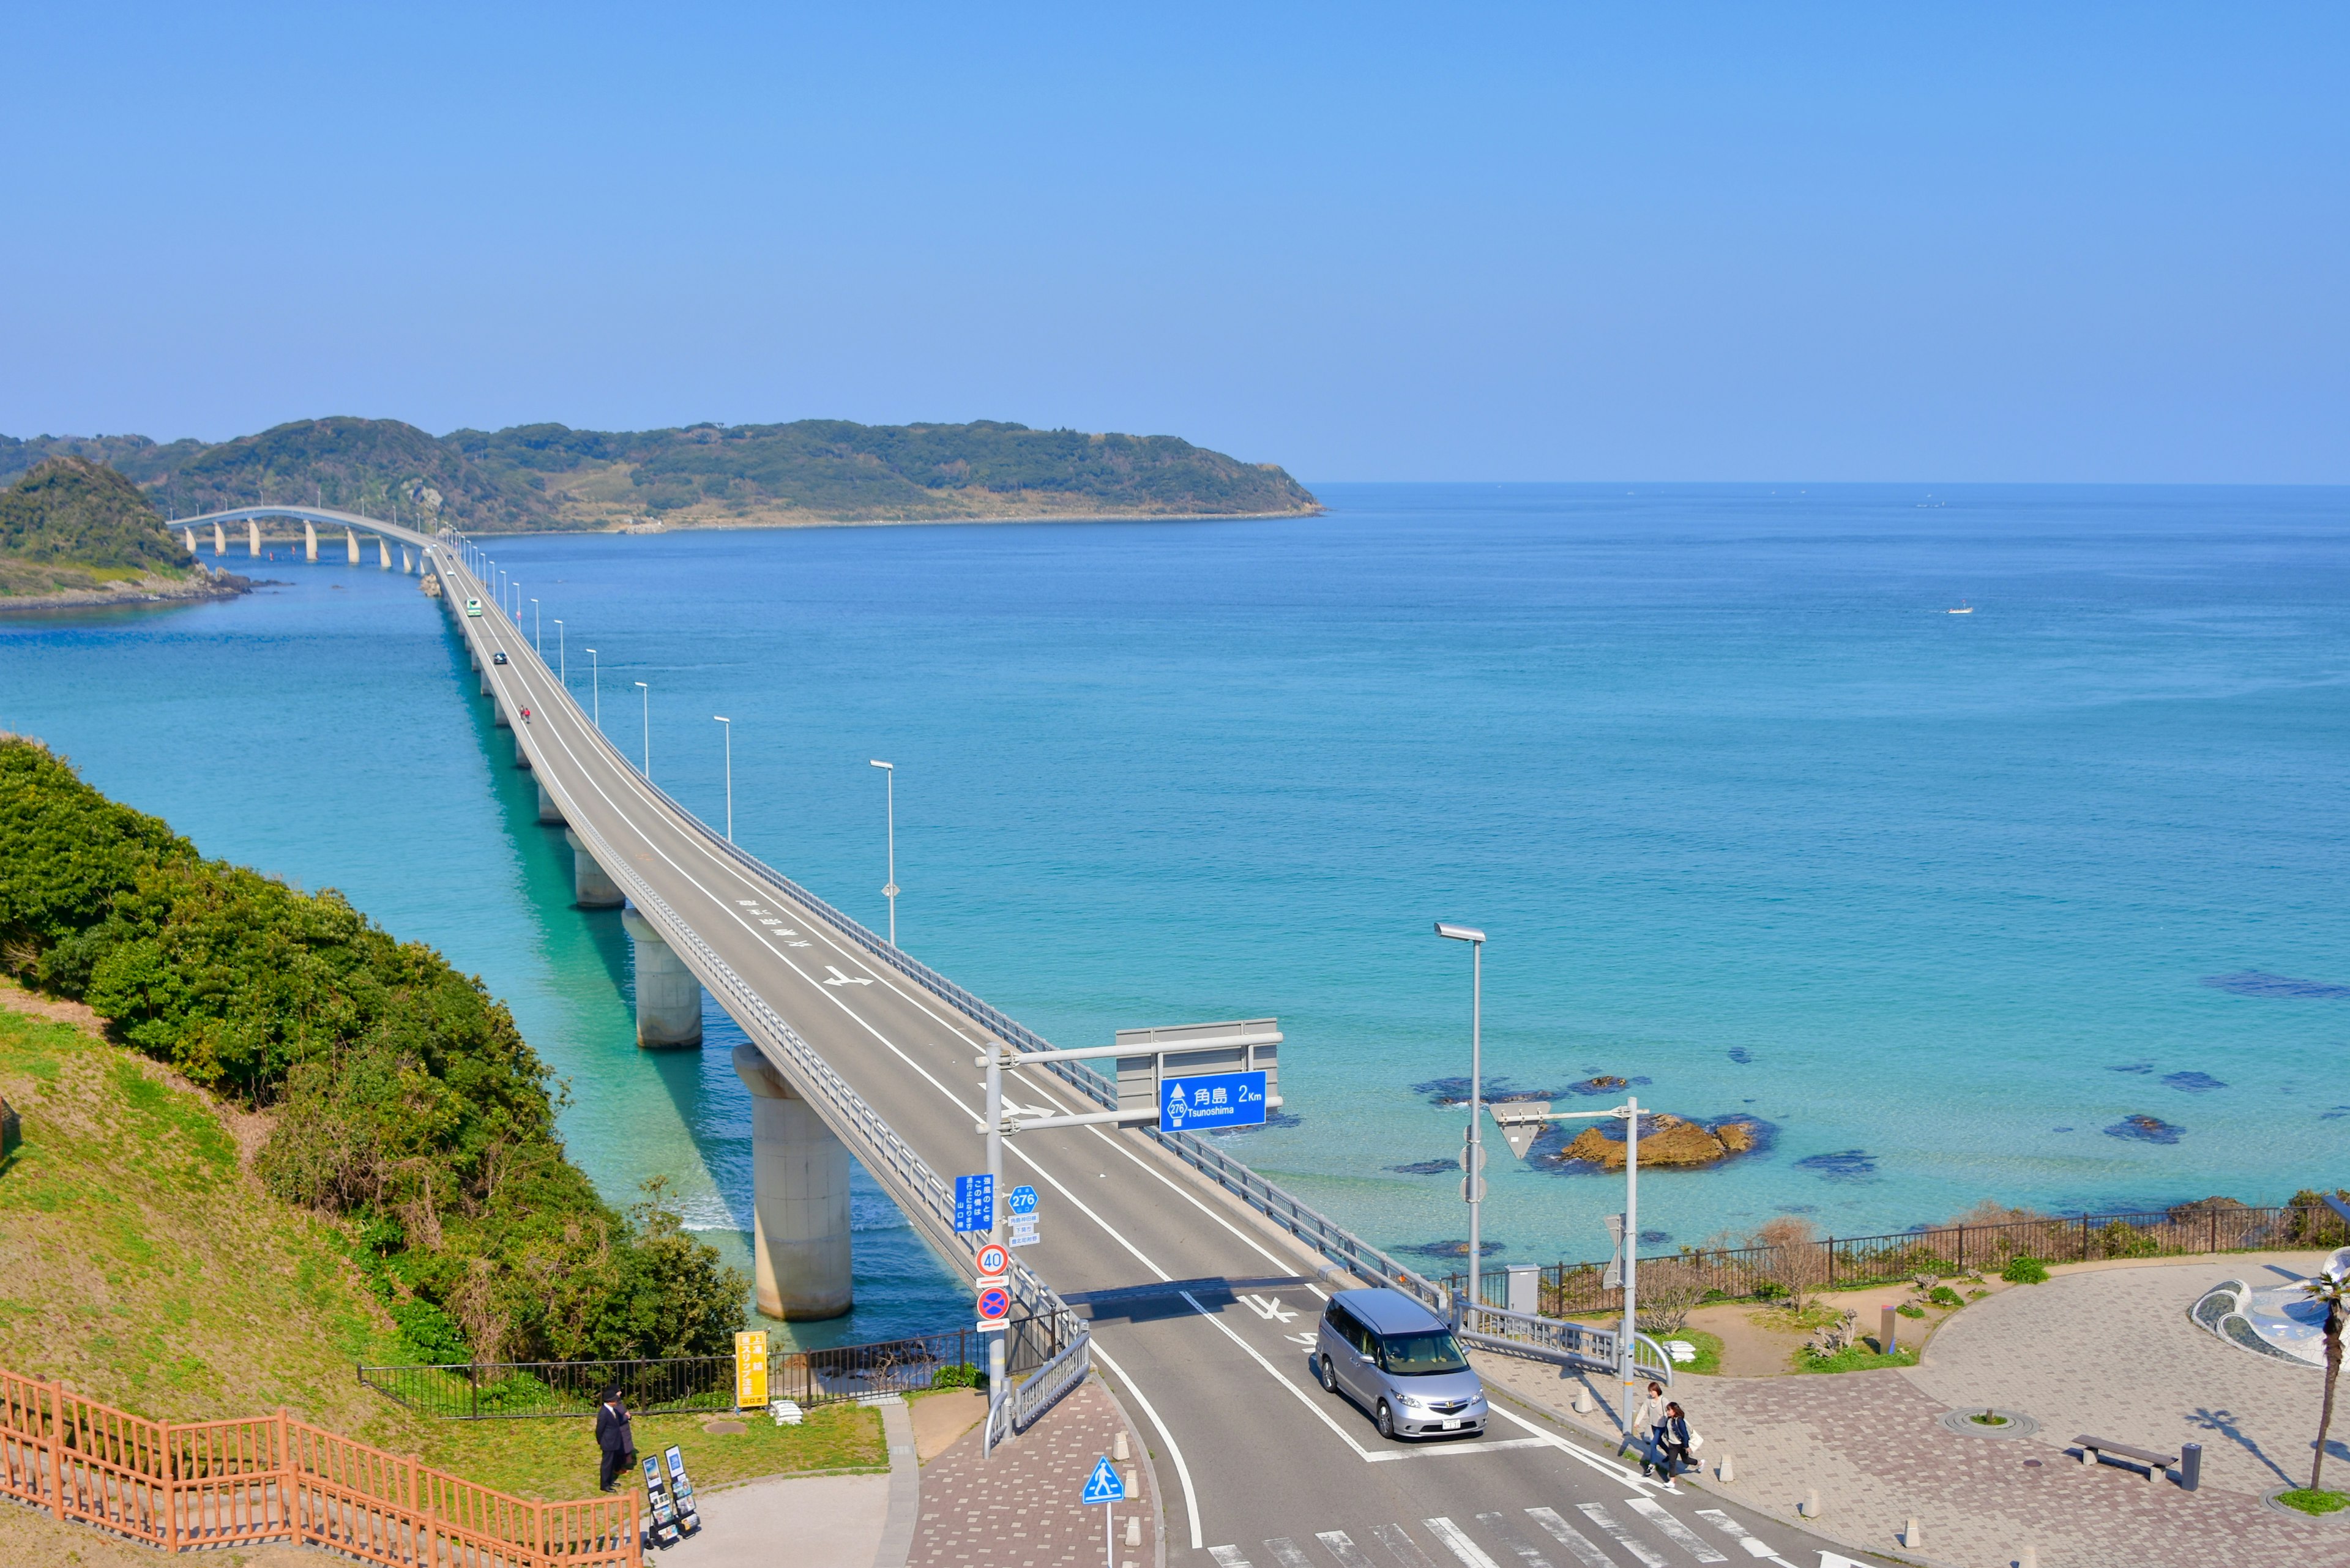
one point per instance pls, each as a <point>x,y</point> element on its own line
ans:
<point>1193,1282</point>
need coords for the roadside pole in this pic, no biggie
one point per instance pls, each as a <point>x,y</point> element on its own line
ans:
<point>1626,1344</point>
<point>996,1359</point>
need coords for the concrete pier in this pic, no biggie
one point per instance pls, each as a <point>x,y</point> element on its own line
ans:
<point>309,541</point>
<point>383,552</point>
<point>590,889</point>
<point>799,1249</point>
<point>407,562</point>
<point>351,544</point>
<point>220,541</point>
<point>669,998</point>
<point>253,538</point>
<point>549,812</point>
<point>190,534</point>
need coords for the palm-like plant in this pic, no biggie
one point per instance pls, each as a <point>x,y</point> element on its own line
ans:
<point>2333,1289</point>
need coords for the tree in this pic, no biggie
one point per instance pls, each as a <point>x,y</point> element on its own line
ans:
<point>2332,1288</point>
<point>1793,1259</point>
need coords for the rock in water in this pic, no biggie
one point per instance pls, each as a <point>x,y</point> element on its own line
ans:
<point>1667,1140</point>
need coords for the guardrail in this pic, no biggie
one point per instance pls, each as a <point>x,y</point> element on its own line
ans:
<point>1028,1400</point>
<point>182,1485</point>
<point>1576,1344</point>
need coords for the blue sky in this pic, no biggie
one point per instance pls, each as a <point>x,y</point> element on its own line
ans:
<point>1542,243</point>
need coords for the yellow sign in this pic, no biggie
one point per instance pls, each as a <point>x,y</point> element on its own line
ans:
<point>751,1370</point>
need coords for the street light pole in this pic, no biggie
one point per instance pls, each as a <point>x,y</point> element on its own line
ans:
<point>595,686</point>
<point>729,773</point>
<point>1472,1156</point>
<point>889,888</point>
<point>648,729</point>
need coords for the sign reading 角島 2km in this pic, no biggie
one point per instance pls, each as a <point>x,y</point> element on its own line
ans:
<point>1215,1100</point>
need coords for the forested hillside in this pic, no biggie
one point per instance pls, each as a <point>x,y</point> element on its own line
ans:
<point>402,1099</point>
<point>550,476</point>
<point>72,523</point>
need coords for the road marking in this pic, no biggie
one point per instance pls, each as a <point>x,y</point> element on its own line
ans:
<point>1605,1466</point>
<point>1468,1550</point>
<point>1673,1530</point>
<point>1342,1546</point>
<point>1624,1538</point>
<point>1287,1553</point>
<point>1320,1413</point>
<point>1308,1340</point>
<point>1271,1308</point>
<point>840,979</point>
<point>1585,1550</point>
<point>1228,1557</point>
<point>1174,1448</point>
<point>1752,1545</point>
<point>1499,1525</point>
<point>1406,1551</point>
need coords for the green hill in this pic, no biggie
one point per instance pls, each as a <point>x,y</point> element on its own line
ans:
<point>550,476</point>
<point>71,523</point>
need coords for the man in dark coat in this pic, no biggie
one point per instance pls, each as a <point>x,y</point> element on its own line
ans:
<point>613,1436</point>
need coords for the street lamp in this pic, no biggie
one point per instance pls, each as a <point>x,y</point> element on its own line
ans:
<point>1473,1158</point>
<point>596,686</point>
<point>537,645</point>
<point>562,665</point>
<point>648,729</point>
<point>889,888</point>
<point>729,773</point>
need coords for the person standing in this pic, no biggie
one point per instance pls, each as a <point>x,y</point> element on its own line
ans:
<point>614,1437</point>
<point>1645,1416</point>
<point>1672,1441</point>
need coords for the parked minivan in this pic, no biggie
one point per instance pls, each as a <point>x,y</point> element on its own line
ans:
<point>1399,1361</point>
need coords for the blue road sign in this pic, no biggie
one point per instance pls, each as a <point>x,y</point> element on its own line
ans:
<point>1215,1100</point>
<point>1103,1485</point>
<point>974,1202</point>
<point>1022,1200</point>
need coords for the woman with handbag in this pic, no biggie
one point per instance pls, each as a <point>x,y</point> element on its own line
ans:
<point>1674,1441</point>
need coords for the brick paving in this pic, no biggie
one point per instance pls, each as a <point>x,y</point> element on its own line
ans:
<point>2107,1351</point>
<point>1019,1508</point>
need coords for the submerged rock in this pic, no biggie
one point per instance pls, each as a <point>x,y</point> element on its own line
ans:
<point>2144,1129</point>
<point>1667,1140</point>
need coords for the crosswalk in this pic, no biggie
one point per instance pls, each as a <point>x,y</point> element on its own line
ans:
<point>1595,1535</point>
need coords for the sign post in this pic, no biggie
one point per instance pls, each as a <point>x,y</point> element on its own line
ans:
<point>1103,1486</point>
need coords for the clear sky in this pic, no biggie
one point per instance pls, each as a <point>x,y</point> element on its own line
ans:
<point>1684,242</point>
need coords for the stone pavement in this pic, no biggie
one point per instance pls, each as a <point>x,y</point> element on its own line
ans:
<point>1019,1508</point>
<point>2107,1350</point>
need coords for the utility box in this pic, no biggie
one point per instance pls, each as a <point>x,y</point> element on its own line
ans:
<point>1525,1289</point>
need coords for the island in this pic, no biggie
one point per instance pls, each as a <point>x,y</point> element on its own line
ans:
<point>76,533</point>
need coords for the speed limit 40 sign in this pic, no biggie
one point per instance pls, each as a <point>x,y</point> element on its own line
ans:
<point>994,1263</point>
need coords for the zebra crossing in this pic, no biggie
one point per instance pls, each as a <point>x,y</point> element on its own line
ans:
<point>1642,1532</point>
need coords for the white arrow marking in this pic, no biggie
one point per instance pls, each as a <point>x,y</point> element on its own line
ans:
<point>840,979</point>
<point>1308,1340</point>
<point>1270,1309</point>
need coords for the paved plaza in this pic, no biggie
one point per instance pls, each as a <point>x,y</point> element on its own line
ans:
<point>2106,1350</point>
<point>1019,1509</point>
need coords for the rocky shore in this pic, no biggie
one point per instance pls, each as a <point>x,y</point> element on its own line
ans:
<point>154,588</point>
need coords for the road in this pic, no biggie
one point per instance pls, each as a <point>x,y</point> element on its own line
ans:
<point>1201,1312</point>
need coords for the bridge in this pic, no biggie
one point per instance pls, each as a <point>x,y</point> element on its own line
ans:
<point>1193,1282</point>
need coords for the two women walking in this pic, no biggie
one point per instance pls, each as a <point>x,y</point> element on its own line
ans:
<point>1662,1431</point>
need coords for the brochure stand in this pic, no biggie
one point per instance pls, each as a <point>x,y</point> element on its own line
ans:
<point>661,1530</point>
<point>680,1491</point>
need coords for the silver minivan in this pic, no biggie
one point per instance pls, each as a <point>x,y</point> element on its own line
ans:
<point>1399,1361</point>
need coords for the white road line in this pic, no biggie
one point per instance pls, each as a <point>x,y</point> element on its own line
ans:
<point>1287,1553</point>
<point>1673,1530</point>
<point>1320,1413</point>
<point>1342,1546</point>
<point>1228,1557</point>
<point>1585,1550</point>
<point>1406,1551</point>
<point>1751,1544</point>
<point>1468,1550</point>
<point>1605,1466</point>
<point>1174,1449</point>
<point>1499,1525</point>
<point>1624,1538</point>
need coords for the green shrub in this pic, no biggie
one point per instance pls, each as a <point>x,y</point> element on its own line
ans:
<point>1911,1309</point>
<point>2120,1238</point>
<point>963,1374</point>
<point>2024,1271</point>
<point>1944,1296</point>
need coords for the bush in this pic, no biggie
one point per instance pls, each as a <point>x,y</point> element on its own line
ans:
<point>1944,1296</point>
<point>2024,1271</point>
<point>2120,1238</point>
<point>963,1374</point>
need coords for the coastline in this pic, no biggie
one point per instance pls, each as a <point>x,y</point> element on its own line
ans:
<point>710,524</point>
<point>205,582</point>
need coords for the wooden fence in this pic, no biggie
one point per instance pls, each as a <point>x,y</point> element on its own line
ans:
<point>1840,1262</point>
<point>185,1485</point>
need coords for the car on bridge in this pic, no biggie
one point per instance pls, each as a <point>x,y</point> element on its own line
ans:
<point>1399,1361</point>
<point>499,657</point>
<point>474,606</point>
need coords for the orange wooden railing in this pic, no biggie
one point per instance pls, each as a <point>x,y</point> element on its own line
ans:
<point>271,1477</point>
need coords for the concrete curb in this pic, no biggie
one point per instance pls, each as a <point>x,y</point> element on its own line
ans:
<point>905,1489</point>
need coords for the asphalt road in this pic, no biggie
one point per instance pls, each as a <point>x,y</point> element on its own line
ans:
<point>1201,1314</point>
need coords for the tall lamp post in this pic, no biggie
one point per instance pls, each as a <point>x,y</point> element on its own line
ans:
<point>890,797</point>
<point>1472,1158</point>
<point>729,773</point>
<point>648,729</point>
<point>595,686</point>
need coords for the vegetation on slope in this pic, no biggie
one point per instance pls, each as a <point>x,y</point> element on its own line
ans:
<point>70,523</point>
<point>401,1095</point>
<point>550,476</point>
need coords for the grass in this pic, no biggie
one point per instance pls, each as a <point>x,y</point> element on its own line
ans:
<point>1853,1358</point>
<point>1708,1347</point>
<point>555,1457</point>
<point>2317,1502</point>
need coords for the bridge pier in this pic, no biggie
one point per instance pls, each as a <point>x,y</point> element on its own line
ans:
<point>382,553</point>
<point>309,541</point>
<point>406,565</point>
<point>549,812</point>
<point>590,889</point>
<point>799,1249</point>
<point>351,544</point>
<point>253,538</point>
<point>190,534</point>
<point>220,541</point>
<point>669,997</point>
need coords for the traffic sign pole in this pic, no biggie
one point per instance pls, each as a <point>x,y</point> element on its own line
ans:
<point>996,1356</point>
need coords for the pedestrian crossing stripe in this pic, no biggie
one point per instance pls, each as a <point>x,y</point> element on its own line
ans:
<point>1462,1549</point>
<point>1103,1485</point>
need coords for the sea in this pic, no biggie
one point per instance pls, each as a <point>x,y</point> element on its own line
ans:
<point>1970,843</point>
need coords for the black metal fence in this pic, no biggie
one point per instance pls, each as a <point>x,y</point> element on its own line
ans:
<point>1840,1262</point>
<point>489,1390</point>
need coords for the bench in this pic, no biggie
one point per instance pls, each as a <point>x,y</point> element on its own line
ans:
<point>2156,1465</point>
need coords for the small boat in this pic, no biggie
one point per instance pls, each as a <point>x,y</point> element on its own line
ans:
<point>1962,609</point>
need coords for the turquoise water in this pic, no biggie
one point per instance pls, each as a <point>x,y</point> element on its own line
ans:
<point>1747,815</point>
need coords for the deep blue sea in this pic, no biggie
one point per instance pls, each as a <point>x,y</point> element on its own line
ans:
<point>1752,820</point>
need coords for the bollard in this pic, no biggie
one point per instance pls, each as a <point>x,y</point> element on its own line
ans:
<point>1134,1530</point>
<point>2030,1559</point>
<point>1911,1538</point>
<point>2190,1465</point>
<point>1583,1405</point>
<point>1888,1330</point>
<point>1117,1448</point>
<point>1724,1470</point>
<point>1810,1505</point>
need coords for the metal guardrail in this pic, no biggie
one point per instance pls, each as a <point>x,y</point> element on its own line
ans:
<point>1028,1400</point>
<point>1576,1344</point>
